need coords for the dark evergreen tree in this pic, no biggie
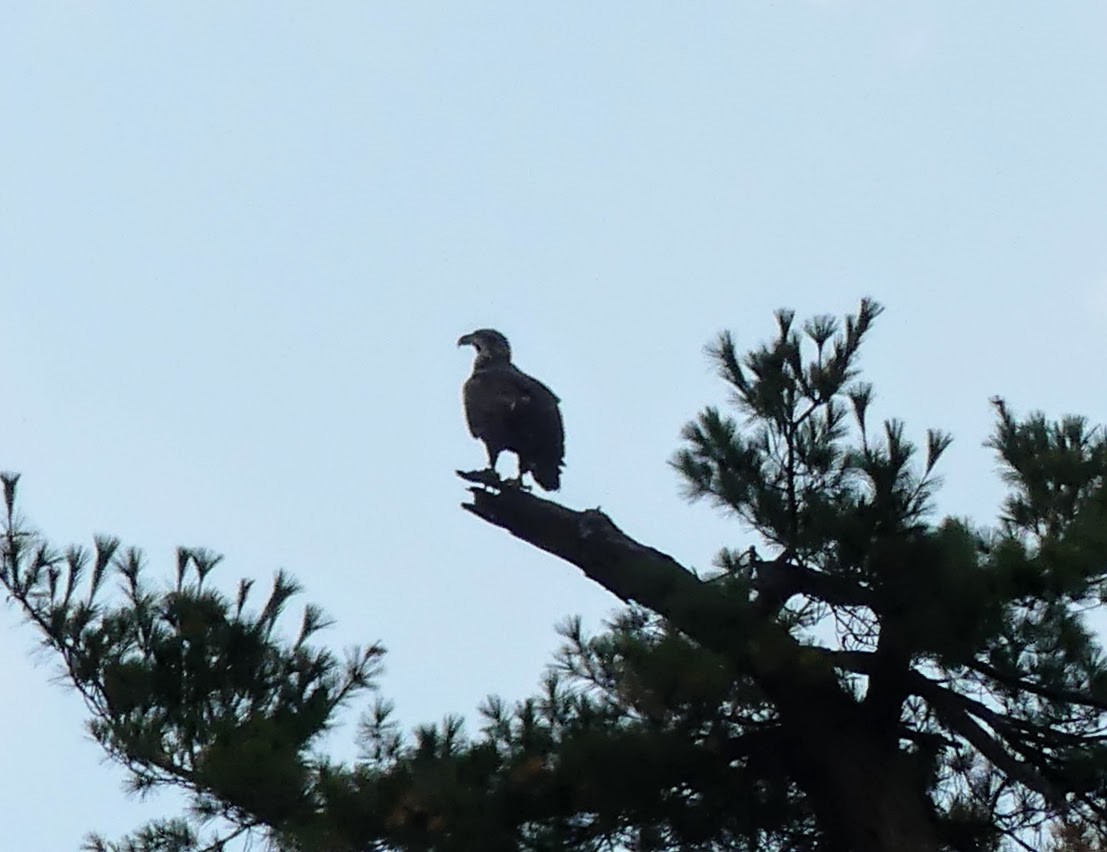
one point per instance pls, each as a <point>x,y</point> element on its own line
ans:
<point>879,679</point>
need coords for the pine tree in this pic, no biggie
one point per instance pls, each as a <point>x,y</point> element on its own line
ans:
<point>880,679</point>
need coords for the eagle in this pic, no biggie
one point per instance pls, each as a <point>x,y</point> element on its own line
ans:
<point>509,410</point>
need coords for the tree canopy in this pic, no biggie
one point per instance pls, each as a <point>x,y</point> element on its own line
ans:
<point>862,675</point>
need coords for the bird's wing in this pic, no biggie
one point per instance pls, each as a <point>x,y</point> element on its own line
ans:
<point>503,402</point>
<point>498,397</point>
<point>531,386</point>
<point>534,408</point>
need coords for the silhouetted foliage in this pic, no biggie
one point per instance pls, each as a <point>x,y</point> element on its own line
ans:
<point>879,679</point>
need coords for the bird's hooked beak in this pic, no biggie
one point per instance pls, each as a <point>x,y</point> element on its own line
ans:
<point>466,340</point>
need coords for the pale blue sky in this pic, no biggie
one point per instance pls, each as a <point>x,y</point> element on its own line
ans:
<point>239,241</point>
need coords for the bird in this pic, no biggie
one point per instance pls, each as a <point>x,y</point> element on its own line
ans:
<point>509,410</point>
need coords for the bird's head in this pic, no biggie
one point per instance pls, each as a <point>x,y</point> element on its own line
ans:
<point>492,347</point>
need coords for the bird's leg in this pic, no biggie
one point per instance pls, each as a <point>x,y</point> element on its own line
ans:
<point>493,455</point>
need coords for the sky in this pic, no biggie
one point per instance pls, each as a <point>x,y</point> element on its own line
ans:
<point>238,243</point>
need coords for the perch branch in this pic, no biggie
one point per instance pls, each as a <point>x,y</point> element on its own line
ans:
<point>637,573</point>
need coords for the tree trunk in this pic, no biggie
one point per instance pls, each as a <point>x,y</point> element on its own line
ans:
<point>865,800</point>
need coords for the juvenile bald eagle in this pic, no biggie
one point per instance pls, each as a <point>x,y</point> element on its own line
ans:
<point>509,410</point>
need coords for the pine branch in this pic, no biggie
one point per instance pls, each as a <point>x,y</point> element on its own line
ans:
<point>955,709</point>
<point>1052,692</point>
<point>780,578</point>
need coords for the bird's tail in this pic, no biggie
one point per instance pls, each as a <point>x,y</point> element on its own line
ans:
<point>548,476</point>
